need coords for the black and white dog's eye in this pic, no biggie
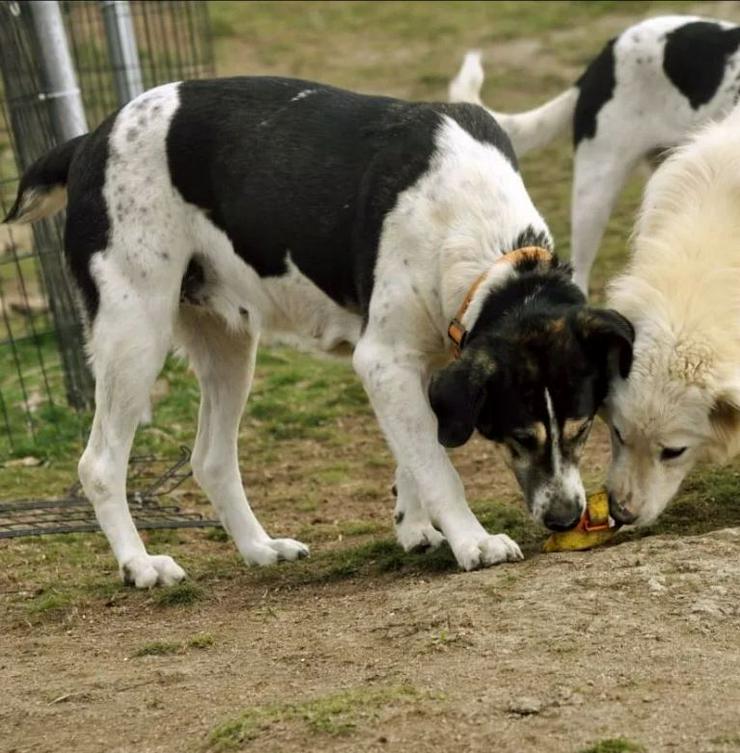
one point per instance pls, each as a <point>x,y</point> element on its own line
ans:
<point>524,441</point>
<point>669,453</point>
<point>618,435</point>
<point>514,448</point>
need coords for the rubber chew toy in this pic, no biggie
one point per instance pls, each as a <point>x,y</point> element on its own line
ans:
<point>593,528</point>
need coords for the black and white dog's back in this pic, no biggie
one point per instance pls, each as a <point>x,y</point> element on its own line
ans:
<point>647,90</point>
<point>204,213</point>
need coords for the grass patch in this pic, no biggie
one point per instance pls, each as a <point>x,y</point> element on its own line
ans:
<point>614,745</point>
<point>49,602</point>
<point>158,648</point>
<point>180,595</point>
<point>335,714</point>
<point>201,641</point>
<point>360,527</point>
<point>733,740</point>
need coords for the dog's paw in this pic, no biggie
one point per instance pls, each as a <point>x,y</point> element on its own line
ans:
<point>417,536</point>
<point>271,551</point>
<point>487,550</point>
<point>147,570</point>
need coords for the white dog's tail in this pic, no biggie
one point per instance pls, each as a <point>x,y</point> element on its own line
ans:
<point>527,130</point>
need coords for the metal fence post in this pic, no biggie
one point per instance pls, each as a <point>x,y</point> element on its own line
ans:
<point>122,49</point>
<point>68,114</point>
<point>45,109</point>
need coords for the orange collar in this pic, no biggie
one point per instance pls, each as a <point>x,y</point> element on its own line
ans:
<point>456,330</point>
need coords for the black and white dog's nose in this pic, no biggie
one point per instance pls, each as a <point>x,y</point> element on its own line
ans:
<point>562,519</point>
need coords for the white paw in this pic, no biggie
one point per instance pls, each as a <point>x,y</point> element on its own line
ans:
<point>416,535</point>
<point>147,570</point>
<point>271,551</point>
<point>487,550</point>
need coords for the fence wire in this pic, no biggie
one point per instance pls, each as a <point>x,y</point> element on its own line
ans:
<point>45,387</point>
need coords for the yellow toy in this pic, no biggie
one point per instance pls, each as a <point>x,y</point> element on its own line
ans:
<point>593,528</point>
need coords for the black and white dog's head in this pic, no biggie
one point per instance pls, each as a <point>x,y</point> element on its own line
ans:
<point>534,370</point>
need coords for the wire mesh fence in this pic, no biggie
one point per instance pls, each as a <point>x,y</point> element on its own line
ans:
<point>45,387</point>
<point>148,481</point>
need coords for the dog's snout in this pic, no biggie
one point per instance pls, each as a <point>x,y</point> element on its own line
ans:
<point>620,512</point>
<point>563,517</point>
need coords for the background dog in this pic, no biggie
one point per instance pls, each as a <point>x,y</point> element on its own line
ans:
<point>206,212</point>
<point>647,90</point>
<point>681,402</point>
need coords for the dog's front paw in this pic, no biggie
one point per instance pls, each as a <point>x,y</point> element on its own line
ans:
<point>487,550</point>
<point>272,551</point>
<point>147,570</point>
<point>416,536</point>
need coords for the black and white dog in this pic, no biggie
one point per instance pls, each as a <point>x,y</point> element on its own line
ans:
<point>647,90</point>
<point>206,212</point>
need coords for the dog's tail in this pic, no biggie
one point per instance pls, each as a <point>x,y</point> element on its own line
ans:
<point>527,130</point>
<point>43,187</point>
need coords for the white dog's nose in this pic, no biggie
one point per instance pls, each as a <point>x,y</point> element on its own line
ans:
<point>621,513</point>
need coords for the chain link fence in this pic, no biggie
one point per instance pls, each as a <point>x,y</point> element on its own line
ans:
<point>118,49</point>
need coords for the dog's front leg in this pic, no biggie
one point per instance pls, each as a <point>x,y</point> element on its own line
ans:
<point>396,383</point>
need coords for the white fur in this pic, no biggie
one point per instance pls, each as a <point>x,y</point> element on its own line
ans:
<point>443,233</point>
<point>645,113</point>
<point>565,482</point>
<point>682,294</point>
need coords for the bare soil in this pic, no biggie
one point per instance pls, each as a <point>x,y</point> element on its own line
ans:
<point>639,640</point>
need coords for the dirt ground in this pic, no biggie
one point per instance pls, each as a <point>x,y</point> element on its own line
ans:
<point>637,643</point>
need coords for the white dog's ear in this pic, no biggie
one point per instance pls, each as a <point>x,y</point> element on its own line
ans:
<point>725,413</point>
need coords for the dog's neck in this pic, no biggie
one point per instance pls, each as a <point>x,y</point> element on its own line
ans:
<point>530,281</point>
<point>515,262</point>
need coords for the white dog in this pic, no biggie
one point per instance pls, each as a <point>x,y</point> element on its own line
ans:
<point>681,401</point>
<point>648,89</point>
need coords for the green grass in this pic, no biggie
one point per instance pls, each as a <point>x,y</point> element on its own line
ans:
<point>179,595</point>
<point>732,740</point>
<point>614,745</point>
<point>335,714</point>
<point>158,648</point>
<point>201,641</point>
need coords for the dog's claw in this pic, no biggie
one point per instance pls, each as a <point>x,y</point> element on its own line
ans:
<point>417,537</point>
<point>272,551</point>
<point>488,550</point>
<point>146,571</point>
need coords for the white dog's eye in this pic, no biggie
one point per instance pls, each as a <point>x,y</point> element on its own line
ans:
<point>618,435</point>
<point>669,453</point>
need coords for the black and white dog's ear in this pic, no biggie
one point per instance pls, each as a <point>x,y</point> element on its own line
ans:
<point>456,394</point>
<point>608,338</point>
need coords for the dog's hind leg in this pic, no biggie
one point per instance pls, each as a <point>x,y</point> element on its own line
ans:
<point>223,361</point>
<point>600,171</point>
<point>128,344</point>
<point>414,529</point>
